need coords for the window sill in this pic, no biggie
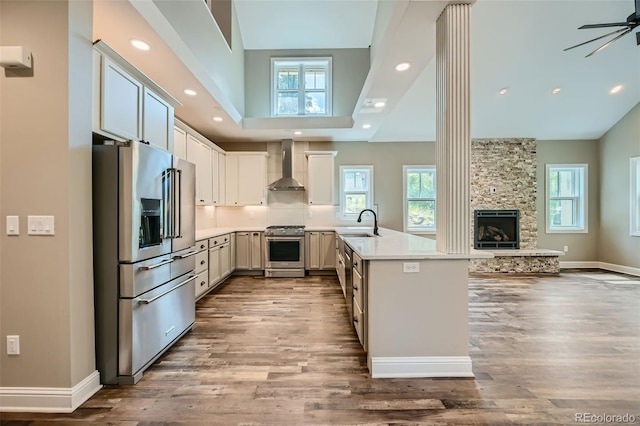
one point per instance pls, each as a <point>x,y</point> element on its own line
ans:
<point>568,231</point>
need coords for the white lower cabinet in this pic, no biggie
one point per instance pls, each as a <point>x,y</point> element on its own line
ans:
<point>320,250</point>
<point>359,300</point>
<point>249,251</point>
<point>213,262</point>
<point>202,268</point>
<point>219,259</point>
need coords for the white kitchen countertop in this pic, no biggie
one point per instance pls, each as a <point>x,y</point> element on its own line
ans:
<point>390,245</point>
<point>394,245</point>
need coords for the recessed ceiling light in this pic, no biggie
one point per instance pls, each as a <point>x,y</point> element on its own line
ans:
<point>297,132</point>
<point>503,91</point>
<point>403,66</point>
<point>379,104</point>
<point>366,126</point>
<point>556,91</point>
<point>218,119</point>
<point>190,92</point>
<point>616,89</point>
<point>139,44</point>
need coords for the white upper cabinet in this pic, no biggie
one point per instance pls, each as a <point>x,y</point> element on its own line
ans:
<point>222,178</point>
<point>157,120</point>
<point>200,154</point>
<point>180,143</point>
<point>127,104</point>
<point>246,178</point>
<point>320,180</point>
<point>121,102</point>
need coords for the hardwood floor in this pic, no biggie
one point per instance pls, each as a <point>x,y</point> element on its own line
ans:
<point>281,351</point>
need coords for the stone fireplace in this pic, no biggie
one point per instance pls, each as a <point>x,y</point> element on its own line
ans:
<point>503,179</point>
<point>496,229</point>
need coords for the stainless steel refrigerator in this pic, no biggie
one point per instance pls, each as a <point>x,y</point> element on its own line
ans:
<point>144,248</point>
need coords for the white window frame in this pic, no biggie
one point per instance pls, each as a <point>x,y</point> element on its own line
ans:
<point>369,192</point>
<point>302,63</point>
<point>634,217</point>
<point>580,198</point>
<point>405,212</point>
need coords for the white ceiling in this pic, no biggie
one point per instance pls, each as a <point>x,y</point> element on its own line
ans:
<point>515,44</point>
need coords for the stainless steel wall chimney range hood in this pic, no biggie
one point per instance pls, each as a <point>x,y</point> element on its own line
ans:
<point>286,182</point>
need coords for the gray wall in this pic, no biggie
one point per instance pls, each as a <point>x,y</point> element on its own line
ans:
<point>619,144</point>
<point>350,69</point>
<point>387,160</point>
<point>46,295</point>
<point>582,246</point>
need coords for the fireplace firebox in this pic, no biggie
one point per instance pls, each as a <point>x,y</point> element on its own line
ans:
<point>496,229</point>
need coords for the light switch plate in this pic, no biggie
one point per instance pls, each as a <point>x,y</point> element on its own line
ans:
<point>13,225</point>
<point>41,225</point>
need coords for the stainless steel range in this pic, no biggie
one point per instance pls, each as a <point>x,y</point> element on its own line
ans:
<point>284,251</point>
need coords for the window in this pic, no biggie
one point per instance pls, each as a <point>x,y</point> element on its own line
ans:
<point>356,189</point>
<point>635,196</point>
<point>301,86</point>
<point>419,198</point>
<point>566,198</point>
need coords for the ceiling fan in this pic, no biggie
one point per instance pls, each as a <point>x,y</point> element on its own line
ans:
<point>632,22</point>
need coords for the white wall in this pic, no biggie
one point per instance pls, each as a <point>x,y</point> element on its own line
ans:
<point>620,143</point>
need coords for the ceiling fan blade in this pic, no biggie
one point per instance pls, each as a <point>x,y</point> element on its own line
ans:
<point>637,9</point>
<point>610,24</point>
<point>597,38</point>
<point>638,37</point>
<point>608,43</point>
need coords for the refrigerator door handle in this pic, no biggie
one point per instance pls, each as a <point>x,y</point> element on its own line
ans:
<point>166,204</point>
<point>177,203</point>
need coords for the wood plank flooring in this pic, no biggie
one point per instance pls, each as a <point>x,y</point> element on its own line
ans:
<point>282,352</point>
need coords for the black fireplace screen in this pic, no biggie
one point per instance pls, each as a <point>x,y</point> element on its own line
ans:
<point>497,229</point>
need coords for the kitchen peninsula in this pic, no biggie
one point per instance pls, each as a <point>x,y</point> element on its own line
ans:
<point>410,302</point>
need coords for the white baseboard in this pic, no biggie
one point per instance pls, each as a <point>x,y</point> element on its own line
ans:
<point>49,400</point>
<point>601,265</point>
<point>430,366</point>
<point>586,265</point>
<point>619,268</point>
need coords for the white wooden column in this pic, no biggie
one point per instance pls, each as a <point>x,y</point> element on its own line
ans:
<point>453,135</point>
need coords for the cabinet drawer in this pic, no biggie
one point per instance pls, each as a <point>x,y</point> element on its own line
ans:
<point>358,321</point>
<point>358,291</point>
<point>202,283</point>
<point>202,261</point>
<point>220,239</point>
<point>202,245</point>
<point>357,264</point>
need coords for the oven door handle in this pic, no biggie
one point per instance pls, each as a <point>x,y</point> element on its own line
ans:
<point>284,238</point>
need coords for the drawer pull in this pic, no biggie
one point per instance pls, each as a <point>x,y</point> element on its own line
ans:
<point>202,262</point>
<point>355,320</point>
<point>153,299</point>
<point>184,256</point>
<point>157,265</point>
<point>355,263</point>
<point>203,283</point>
<point>355,288</point>
<point>202,246</point>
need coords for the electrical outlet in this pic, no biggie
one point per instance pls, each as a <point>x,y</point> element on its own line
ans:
<point>566,249</point>
<point>410,267</point>
<point>13,345</point>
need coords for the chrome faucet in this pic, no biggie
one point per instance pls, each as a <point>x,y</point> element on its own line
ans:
<point>375,220</point>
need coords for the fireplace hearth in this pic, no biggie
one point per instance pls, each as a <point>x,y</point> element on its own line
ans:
<point>496,229</point>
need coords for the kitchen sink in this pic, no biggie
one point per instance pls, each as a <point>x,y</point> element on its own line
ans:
<point>348,235</point>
